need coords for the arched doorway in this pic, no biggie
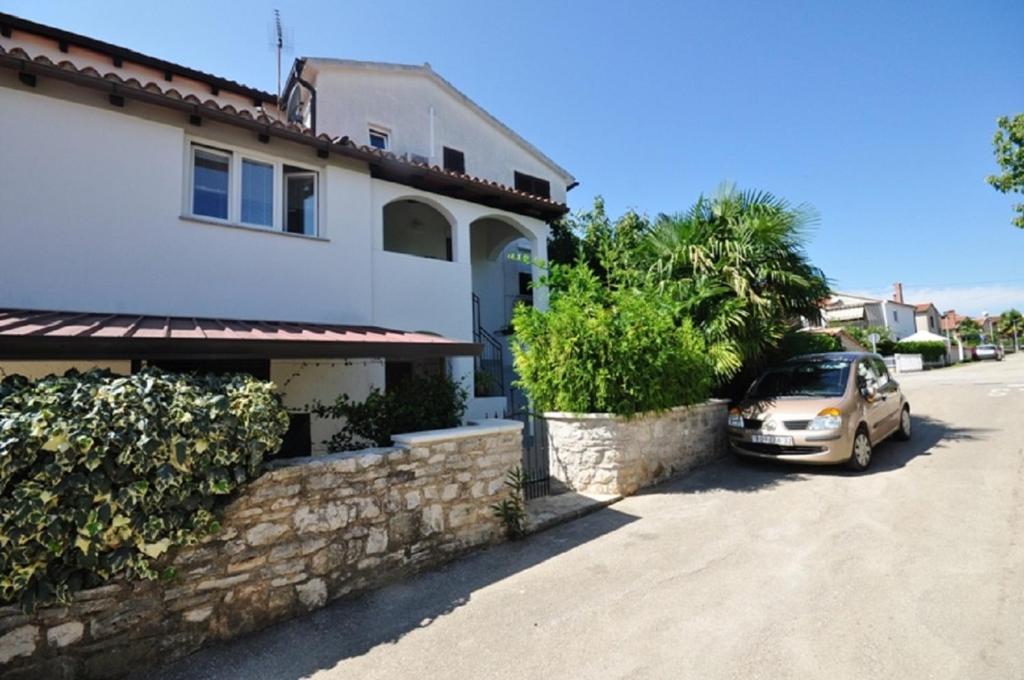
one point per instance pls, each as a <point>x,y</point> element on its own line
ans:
<point>502,278</point>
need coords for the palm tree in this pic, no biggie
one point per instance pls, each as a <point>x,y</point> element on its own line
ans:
<point>969,331</point>
<point>1011,322</point>
<point>737,265</point>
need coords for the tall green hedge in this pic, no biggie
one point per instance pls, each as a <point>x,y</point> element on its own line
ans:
<point>622,350</point>
<point>100,474</point>
<point>930,351</point>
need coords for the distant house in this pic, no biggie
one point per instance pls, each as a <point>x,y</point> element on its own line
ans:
<point>848,309</point>
<point>989,326</point>
<point>927,318</point>
<point>949,322</point>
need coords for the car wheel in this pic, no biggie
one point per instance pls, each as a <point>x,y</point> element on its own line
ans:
<point>903,434</point>
<point>860,457</point>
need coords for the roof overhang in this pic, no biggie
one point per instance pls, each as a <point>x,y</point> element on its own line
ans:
<point>382,164</point>
<point>36,334</point>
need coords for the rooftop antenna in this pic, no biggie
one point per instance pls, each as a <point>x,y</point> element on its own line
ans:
<point>280,41</point>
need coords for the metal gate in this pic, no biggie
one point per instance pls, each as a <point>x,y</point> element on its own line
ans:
<point>536,467</point>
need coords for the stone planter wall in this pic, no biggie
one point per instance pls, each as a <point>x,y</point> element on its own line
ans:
<point>606,454</point>
<point>308,531</point>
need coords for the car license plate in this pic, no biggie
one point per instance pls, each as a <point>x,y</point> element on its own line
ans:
<point>777,439</point>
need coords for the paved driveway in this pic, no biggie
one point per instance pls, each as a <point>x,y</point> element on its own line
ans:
<point>913,570</point>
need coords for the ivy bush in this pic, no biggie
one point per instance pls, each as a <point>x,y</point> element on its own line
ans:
<point>100,474</point>
<point>930,351</point>
<point>622,350</point>
<point>420,402</point>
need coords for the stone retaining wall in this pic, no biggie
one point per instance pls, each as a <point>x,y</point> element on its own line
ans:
<point>606,454</point>
<point>306,532</point>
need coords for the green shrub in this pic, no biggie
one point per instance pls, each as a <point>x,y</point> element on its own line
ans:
<point>930,351</point>
<point>422,402</point>
<point>797,343</point>
<point>100,474</point>
<point>615,350</point>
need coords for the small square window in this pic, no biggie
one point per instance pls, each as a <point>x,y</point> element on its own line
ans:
<point>378,139</point>
<point>211,169</point>
<point>454,160</point>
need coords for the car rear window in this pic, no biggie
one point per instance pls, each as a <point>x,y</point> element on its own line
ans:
<point>803,379</point>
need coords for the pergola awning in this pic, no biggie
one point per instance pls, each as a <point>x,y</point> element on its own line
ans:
<point>36,334</point>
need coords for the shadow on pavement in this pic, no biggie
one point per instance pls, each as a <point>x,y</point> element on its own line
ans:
<point>748,475</point>
<point>928,435</point>
<point>350,627</point>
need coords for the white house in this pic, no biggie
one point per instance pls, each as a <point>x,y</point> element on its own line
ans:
<point>857,310</point>
<point>155,213</point>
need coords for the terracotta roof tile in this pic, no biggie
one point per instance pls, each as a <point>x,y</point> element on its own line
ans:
<point>343,144</point>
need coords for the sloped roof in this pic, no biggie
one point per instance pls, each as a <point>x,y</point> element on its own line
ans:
<point>38,334</point>
<point>426,71</point>
<point>925,336</point>
<point>383,164</point>
<point>9,21</point>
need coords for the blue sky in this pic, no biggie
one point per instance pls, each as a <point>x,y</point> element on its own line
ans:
<point>879,114</point>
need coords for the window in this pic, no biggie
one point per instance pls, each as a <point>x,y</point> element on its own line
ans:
<point>880,371</point>
<point>211,170</point>
<point>532,185</point>
<point>931,323</point>
<point>248,189</point>
<point>299,201</point>
<point>257,193</point>
<point>895,315</point>
<point>525,281</point>
<point>454,160</point>
<point>378,138</point>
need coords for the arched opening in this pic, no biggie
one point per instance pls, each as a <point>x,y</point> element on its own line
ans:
<point>416,228</point>
<point>501,280</point>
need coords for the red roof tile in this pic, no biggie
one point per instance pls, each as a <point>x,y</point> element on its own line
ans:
<point>152,92</point>
<point>49,334</point>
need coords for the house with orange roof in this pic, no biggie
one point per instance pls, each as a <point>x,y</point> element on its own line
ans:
<point>927,318</point>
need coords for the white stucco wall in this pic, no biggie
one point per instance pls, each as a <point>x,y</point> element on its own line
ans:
<point>350,99</point>
<point>91,221</point>
<point>301,383</point>
<point>40,369</point>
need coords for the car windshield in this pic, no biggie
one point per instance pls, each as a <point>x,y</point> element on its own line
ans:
<point>803,379</point>
<point>986,346</point>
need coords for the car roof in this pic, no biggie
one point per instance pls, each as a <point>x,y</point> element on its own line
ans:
<point>832,356</point>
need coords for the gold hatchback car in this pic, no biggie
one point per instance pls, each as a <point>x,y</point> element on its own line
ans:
<point>821,408</point>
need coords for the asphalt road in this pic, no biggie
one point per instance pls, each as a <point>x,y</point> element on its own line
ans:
<point>741,570</point>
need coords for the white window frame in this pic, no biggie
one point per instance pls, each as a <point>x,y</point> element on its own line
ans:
<point>190,199</point>
<point>275,171</point>
<point>381,131</point>
<point>236,156</point>
<point>316,197</point>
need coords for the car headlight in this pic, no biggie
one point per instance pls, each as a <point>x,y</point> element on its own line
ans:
<point>827,419</point>
<point>735,418</point>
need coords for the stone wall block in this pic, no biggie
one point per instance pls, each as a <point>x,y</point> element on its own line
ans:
<point>306,531</point>
<point>602,454</point>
